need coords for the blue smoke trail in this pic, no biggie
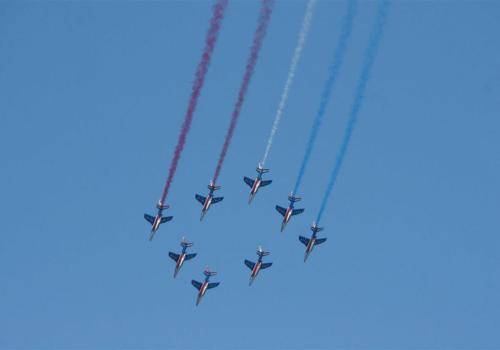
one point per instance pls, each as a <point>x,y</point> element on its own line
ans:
<point>369,59</point>
<point>334,70</point>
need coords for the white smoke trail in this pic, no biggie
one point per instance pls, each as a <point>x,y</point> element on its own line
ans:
<point>304,31</point>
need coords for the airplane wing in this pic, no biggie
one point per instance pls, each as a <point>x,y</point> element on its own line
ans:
<point>248,181</point>
<point>297,211</point>
<point>196,284</point>
<point>149,218</point>
<point>249,264</point>
<point>200,199</point>
<point>213,285</point>
<point>190,256</point>
<point>304,240</point>
<point>319,241</point>
<point>281,210</point>
<point>217,199</point>
<point>265,183</point>
<point>165,219</point>
<point>173,256</point>
<point>265,265</point>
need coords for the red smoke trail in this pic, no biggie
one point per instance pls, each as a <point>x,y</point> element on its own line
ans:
<point>210,40</point>
<point>264,16</point>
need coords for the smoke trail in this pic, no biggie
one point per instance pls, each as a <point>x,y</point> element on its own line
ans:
<point>304,31</point>
<point>264,16</point>
<point>338,59</point>
<point>210,40</point>
<point>369,59</point>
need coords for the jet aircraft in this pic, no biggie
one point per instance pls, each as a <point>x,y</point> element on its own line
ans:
<point>257,183</point>
<point>210,199</point>
<point>183,256</point>
<point>259,265</point>
<point>202,287</point>
<point>290,211</point>
<point>157,220</point>
<point>313,241</point>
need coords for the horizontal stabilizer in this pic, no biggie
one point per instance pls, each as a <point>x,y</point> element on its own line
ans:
<point>200,198</point>
<point>213,285</point>
<point>190,256</point>
<point>196,284</point>
<point>248,181</point>
<point>249,264</point>
<point>281,210</point>
<point>319,241</point>
<point>265,265</point>
<point>165,219</point>
<point>297,211</point>
<point>265,183</point>
<point>304,240</point>
<point>162,206</point>
<point>149,218</point>
<point>173,256</point>
<point>212,186</point>
<point>186,244</point>
<point>217,199</point>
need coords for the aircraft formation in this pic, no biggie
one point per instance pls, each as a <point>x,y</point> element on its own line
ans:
<point>259,182</point>
<point>255,267</point>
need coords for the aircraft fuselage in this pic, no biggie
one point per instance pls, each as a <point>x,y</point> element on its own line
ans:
<point>202,292</point>
<point>156,223</point>
<point>256,185</point>
<point>207,203</point>
<point>179,263</point>
<point>288,215</point>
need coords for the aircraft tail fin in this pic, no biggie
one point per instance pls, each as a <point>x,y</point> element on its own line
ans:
<point>162,206</point>
<point>261,170</point>
<point>207,272</point>
<point>293,198</point>
<point>262,252</point>
<point>212,186</point>
<point>186,244</point>
<point>316,228</point>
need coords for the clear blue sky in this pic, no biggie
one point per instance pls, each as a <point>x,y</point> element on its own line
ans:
<point>92,96</point>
